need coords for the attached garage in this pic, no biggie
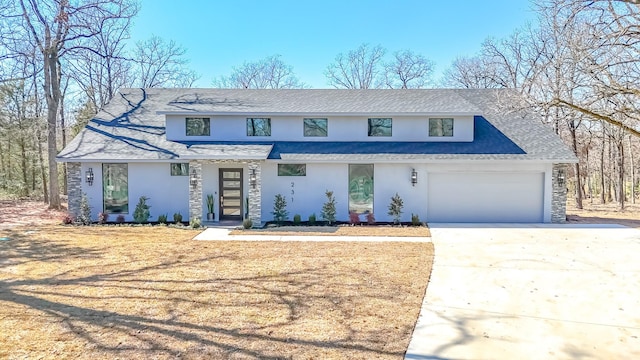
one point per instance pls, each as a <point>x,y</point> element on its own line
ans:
<point>485,197</point>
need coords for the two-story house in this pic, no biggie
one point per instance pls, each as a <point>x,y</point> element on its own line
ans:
<point>451,155</point>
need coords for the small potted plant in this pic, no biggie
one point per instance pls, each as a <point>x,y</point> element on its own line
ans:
<point>210,204</point>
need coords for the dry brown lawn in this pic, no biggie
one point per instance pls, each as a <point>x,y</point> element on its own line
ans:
<point>364,230</point>
<point>151,292</point>
<point>604,213</point>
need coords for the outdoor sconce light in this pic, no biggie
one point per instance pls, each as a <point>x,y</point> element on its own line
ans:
<point>252,178</point>
<point>414,177</point>
<point>560,177</point>
<point>89,176</point>
<point>194,178</point>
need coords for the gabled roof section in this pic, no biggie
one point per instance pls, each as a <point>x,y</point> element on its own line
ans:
<point>313,101</point>
<point>132,126</point>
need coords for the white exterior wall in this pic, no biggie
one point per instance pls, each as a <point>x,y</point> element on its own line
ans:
<point>167,194</point>
<point>290,128</point>
<point>309,191</point>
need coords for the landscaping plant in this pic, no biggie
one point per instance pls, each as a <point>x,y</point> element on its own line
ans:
<point>395,208</point>
<point>103,217</point>
<point>120,219</point>
<point>415,220</point>
<point>177,217</point>
<point>312,219</point>
<point>210,203</point>
<point>141,213</point>
<point>247,223</point>
<point>297,219</point>
<point>329,208</point>
<point>162,218</point>
<point>280,212</point>
<point>195,223</point>
<point>371,220</point>
<point>85,211</point>
<point>354,218</point>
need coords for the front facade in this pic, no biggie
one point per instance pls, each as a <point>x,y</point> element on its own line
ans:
<point>451,155</point>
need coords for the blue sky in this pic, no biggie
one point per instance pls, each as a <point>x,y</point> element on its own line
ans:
<point>219,35</point>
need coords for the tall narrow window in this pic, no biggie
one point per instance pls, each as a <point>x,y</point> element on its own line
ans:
<point>315,127</point>
<point>258,127</point>
<point>361,188</point>
<point>115,188</point>
<point>379,127</point>
<point>441,127</point>
<point>198,126</point>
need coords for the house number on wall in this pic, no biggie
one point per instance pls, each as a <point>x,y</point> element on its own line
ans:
<point>292,190</point>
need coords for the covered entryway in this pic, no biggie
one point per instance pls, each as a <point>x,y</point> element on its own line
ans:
<point>230,181</point>
<point>486,197</point>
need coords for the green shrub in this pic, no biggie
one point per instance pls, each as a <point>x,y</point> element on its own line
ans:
<point>312,219</point>
<point>103,217</point>
<point>415,220</point>
<point>247,223</point>
<point>395,208</point>
<point>162,218</point>
<point>195,223</point>
<point>177,217</point>
<point>297,219</point>
<point>85,211</point>
<point>141,213</point>
<point>329,208</point>
<point>280,212</point>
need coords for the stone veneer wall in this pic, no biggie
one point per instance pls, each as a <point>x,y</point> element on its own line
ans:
<point>195,192</point>
<point>559,195</point>
<point>255,194</point>
<point>74,188</point>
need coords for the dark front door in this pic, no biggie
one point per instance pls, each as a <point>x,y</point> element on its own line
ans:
<point>230,194</point>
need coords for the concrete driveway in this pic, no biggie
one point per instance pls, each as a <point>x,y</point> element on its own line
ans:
<point>531,292</point>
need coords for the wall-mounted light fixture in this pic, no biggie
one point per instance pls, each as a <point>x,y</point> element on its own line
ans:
<point>252,178</point>
<point>193,179</point>
<point>560,177</point>
<point>89,176</point>
<point>414,177</point>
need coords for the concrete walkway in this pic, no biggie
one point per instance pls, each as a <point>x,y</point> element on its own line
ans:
<point>222,234</point>
<point>531,292</point>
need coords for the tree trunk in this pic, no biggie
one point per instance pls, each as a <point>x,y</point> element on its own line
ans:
<point>63,129</point>
<point>621,189</point>
<point>632,172</point>
<point>43,169</point>
<point>52,94</point>
<point>602,185</point>
<point>578,178</point>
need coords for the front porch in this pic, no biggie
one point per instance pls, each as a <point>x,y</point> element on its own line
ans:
<point>236,188</point>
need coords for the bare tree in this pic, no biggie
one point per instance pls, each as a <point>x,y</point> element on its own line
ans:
<point>268,73</point>
<point>54,27</point>
<point>162,64</point>
<point>358,69</point>
<point>408,70</point>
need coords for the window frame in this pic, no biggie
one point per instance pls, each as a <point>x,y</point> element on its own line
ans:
<point>252,120</point>
<point>306,133</point>
<point>206,126</point>
<point>184,171</point>
<point>441,127</point>
<point>106,183</point>
<point>292,173</point>
<point>372,133</point>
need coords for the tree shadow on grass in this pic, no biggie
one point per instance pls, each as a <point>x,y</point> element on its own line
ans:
<point>134,311</point>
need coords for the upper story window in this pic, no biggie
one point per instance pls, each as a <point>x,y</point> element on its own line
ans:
<point>258,127</point>
<point>198,126</point>
<point>441,127</point>
<point>179,169</point>
<point>315,127</point>
<point>379,127</point>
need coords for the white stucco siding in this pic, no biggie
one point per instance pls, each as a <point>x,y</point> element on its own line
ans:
<point>492,195</point>
<point>340,128</point>
<point>309,191</point>
<point>167,194</point>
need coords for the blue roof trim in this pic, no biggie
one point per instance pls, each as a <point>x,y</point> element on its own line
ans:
<point>487,140</point>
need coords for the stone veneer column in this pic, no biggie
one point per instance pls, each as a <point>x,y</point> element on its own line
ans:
<point>559,195</point>
<point>255,194</point>
<point>195,192</point>
<point>74,188</point>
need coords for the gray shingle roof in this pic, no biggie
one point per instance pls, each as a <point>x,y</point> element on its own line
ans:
<point>132,126</point>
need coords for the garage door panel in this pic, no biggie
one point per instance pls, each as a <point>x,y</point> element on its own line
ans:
<point>485,197</point>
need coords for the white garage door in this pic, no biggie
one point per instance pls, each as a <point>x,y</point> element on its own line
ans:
<point>485,197</point>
